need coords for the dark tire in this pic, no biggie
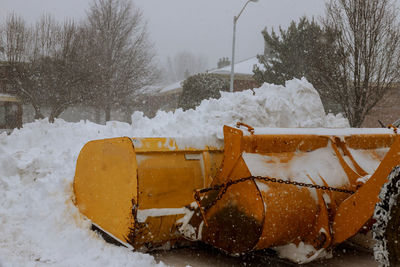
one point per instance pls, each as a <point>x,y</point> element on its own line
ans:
<point>386,229</point>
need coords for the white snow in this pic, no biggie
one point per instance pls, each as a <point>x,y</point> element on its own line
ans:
<point>304,165</point>
<point>172,87</point>
<point>301,253</point>
<point>323,131</point>
<point>143,214</point>
<point>297,104</point>
<point>241,67</point>
<point>39,225</point>
<point>300,167</point>
<point>369,161</point>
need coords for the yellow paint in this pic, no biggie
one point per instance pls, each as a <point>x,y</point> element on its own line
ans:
<point>105,184</point>
<point>112,175</point>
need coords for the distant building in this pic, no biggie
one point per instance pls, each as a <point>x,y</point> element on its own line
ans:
<point>387,110</point>
<point>4,77</point>
<point>10,104</point>
<point>167,97</point>
<point>243,74</point>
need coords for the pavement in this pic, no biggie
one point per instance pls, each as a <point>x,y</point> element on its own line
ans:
<point>202,256</point>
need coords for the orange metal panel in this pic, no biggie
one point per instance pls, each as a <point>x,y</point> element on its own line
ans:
<point>167,180</point>
<point>356,210</point>
<point>369,141</point>
<point>105,184</point>
<point>289,215</point>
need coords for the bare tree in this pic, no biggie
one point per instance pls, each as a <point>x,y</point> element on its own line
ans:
<point>368,47</point>
<point>16,43</point>
<point>120,52</point>
<point>102,62</point>
<point>14,39</point>
<point>47,63</point>
<point>62,76</point>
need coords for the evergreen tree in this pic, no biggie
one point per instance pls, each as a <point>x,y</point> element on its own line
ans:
<point>305,49</point>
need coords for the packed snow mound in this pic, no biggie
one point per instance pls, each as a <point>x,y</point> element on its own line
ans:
<point>40,226</point>
<point>297,104</point>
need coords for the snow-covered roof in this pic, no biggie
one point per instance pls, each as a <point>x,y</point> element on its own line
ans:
<point>242,67</point>
<point>151,89</point>
<point>159,89</point>
<point>172,87</point>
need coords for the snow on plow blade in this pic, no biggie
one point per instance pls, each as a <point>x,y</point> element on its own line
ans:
<point>268,188</point>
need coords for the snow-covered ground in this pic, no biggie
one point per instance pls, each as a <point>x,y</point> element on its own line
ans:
<point>40,226</point>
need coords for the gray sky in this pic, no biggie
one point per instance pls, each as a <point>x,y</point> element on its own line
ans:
<point>203,27</point>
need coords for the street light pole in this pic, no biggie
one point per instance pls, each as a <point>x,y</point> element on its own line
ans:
<point>235,19</point>
<point>233,55</point>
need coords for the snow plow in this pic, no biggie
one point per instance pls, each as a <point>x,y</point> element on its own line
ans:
<point>308,189</point>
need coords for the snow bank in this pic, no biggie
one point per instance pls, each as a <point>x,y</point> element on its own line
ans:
<point>39,225</point>
<point>297,104</point>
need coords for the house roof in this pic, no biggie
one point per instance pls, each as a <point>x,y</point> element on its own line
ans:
<point>150,89</point>
<point>172,87</point>
<point>9,98</point>
<point>242,67</point>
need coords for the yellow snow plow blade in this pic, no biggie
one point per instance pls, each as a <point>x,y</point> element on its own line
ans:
<point>281,188</point>
<point>136,189</point>
<point>261,189</point>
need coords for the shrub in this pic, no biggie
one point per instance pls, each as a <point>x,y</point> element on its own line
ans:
<point>201,86</point>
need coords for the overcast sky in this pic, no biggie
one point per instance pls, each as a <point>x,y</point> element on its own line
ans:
<point>203,27</point>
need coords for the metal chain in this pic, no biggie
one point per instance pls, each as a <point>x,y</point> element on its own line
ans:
<point>395,129</point>
<point>222,188</point>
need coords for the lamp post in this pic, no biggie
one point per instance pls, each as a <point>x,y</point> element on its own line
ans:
<point>235,19</point>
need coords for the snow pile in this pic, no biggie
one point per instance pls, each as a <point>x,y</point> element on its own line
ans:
<point>39,225</point>
<point>297,104</point>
